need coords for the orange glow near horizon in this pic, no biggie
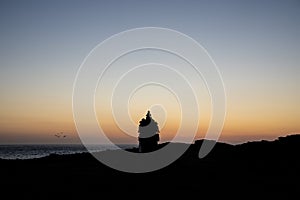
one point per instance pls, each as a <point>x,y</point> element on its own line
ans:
<point>39,123</point>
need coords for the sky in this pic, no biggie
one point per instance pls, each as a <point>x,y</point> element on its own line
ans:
<point>255,44</point>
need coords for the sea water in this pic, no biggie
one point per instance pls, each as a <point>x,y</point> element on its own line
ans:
<point>30,151</point>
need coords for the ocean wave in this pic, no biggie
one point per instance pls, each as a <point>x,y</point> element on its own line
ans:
<point>39,151</point>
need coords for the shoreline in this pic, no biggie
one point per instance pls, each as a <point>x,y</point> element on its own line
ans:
<point>255,168</point>
<point>134,147</point>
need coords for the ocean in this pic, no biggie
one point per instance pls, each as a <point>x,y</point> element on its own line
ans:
<point>27,151</point>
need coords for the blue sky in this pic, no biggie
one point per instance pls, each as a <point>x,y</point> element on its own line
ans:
<point>255,44</point>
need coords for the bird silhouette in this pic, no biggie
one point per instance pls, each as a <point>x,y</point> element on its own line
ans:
<point>60,135</point>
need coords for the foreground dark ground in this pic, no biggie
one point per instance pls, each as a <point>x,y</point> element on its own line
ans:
<point>254,169</point>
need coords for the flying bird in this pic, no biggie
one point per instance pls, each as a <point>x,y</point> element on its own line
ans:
<point>60,134</point>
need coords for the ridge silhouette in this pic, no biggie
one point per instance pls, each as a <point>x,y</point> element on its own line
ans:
<point>258,169</point>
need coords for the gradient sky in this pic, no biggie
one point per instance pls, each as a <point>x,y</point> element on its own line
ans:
<point>256,45</point>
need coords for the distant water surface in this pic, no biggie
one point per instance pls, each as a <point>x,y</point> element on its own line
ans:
<point>38,151</point>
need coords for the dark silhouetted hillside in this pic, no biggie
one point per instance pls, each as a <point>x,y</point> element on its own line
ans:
<point>254,169</point>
